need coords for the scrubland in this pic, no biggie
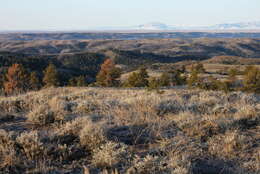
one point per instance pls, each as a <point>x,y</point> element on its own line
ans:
<point>105,130</point>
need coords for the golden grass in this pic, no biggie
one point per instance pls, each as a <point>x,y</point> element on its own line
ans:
<point>132,131</point>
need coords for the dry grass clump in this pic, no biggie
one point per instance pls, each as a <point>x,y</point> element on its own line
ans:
<point>111,155</point>
<point>72,127</point>
<point>8,156</point>
<point>41,115</point>
<point>149,164</point>
<point>61,108</point>
<point>31,145</point>
<point>91,136</point>
<point>169,106</point>
<point>57,109</point>
<point>130,131</point>
<point>12,104</point>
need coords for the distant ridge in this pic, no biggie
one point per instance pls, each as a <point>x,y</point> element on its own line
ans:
<point>164,27</point>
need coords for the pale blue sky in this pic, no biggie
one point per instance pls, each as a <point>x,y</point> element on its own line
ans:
<point>85,14</point>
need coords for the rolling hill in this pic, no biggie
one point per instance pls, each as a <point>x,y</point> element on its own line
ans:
<point>200,47</point>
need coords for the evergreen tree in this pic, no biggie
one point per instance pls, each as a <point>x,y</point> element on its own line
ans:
<point>200,68</point>
<point>164,79</point>
<point>35,83</point>
<point>252,80</point>
<point>51,77</point>
<point>154,83</point>
<point>177,78</point>
<point>138,79</point>
<point>16,80</point>
<point>132,80</point>
<point>114,75</point>
<point>1,83</point>
<point>78,81</point>
<point>109,74</point>
<point>194,78</point>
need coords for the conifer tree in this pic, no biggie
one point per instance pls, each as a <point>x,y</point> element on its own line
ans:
<point>252,80</point>
<point>78,81</point>
<point>176,78</point>
<point>35,83</point>
<point>1,83</point>
<point>200,68</point>
<point>194,78</point>
<point>138,79</point>
<point>154,84</point>
<point>108,74</point>
<point>164,79</point>
<point>16,80</point>
<point>51,77</point>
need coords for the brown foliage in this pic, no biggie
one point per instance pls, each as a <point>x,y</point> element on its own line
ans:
<point>17,79</point>
<point>108,74</point>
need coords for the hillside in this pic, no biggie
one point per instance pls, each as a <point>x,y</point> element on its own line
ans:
<point>68,65</point>
<point>232,60</point>
<point>68,130</point>
<point>135,34</point>
<point>74,58</point>
<point>203,47</point>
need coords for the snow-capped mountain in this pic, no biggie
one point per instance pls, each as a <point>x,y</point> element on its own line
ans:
<point>238,26</point>
<point>164,27</point>
<point>227,26</point>
<point>154,26</point>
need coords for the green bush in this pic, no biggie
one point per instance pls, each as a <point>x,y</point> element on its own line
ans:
<point>252,79</point>
<point>138,79</point>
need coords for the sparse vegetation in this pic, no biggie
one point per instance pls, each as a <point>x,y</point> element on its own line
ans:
<point>211,127</point>
<point>178,131</point>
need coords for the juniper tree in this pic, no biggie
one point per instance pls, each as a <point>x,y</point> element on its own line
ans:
<point>51,76</point>
<point>78,81</point>
<point>35,83</point>
<point>16,80</point>
<point>165,79</point>
<point>193,78</point>
<point>200,68</point>
<point>138,79</point>
<point>108,75</point>
<point>252,80</point>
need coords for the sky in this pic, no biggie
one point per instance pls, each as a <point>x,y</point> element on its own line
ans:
<point>91,14</point>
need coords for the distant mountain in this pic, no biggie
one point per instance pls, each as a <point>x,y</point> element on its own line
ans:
<point>238,26</point>
<point>154,26</point>
<point>226,26</point>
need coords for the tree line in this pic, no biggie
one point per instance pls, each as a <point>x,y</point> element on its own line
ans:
<point>19,80</point>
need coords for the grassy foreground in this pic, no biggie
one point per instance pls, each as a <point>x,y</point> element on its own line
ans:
<point>87,130</point>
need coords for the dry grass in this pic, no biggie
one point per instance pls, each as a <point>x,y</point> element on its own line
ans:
<point>100,130</point>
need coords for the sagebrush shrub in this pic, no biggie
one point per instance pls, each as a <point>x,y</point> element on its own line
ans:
<point>169,106</point>
<point>41,115</point>
<point>91,136</point>
<point>8,156</point>
<point>110,155</point>
<point>150,164</point>
<point>31,144</point>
